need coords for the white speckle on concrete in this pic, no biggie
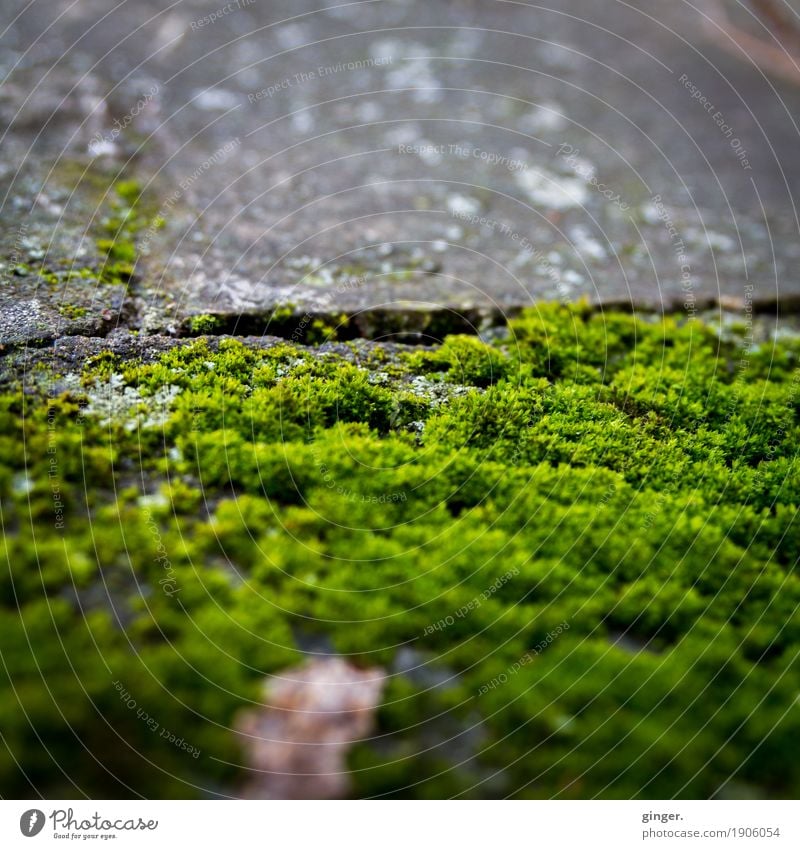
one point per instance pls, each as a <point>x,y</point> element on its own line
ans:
<point>552,191</point>
<point>462,205</point>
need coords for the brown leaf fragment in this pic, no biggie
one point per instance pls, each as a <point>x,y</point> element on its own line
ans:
<point>297,742</point>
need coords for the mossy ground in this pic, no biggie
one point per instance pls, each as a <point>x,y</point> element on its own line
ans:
<point>637,479</point>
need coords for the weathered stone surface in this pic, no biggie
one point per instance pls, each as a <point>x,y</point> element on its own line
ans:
<point>67,356</point>
<point>50,266</point>
<point>408,158</point>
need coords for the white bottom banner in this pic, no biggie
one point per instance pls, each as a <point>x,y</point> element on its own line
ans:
<point>401,824</point>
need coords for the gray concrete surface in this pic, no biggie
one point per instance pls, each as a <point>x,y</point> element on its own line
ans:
<point>389,160</point>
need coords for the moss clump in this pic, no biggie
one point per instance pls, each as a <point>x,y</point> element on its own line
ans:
<point>463,359</point>
<point>325,330</point>
<point>289,321</point>
<point>636,480</point>
<point>204,323</point>
<point>72,311</point>
<point>127,217</point>
<point>118,251</point>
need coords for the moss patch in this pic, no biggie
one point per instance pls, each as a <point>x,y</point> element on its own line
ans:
<point>176,530</point>
<point>121,226</point>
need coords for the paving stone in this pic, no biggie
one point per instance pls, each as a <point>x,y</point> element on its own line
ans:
<point>393,161</point>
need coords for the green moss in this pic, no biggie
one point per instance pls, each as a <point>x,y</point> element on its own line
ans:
<point>464,359</point>
<point>126,211</point>
<point>128,216</point>
<point>129,191</point>
<point>283,313</point>
<point>325,330</point>
<point>632,477</point>
<point>289,321</point>
<point>204,323</point>
<point>120,250</point>
<point>72,311</point>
